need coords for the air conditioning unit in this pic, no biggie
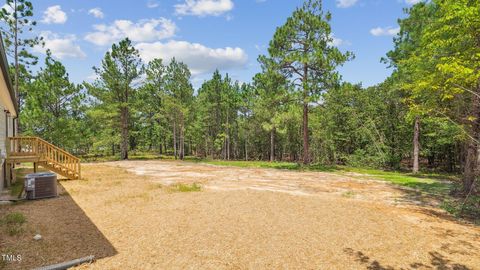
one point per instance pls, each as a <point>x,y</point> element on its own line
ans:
<point>41,185</point>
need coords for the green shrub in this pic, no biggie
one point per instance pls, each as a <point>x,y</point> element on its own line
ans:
<point>468,208</point>
<point>361,158</point>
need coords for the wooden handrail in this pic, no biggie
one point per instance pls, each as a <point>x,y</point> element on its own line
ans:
<point>57,159</point>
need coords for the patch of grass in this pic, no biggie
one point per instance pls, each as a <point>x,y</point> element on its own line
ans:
<point>16,188</point>
<point>254,164</point>
<point>186,188</point>
<point>13,223</point>
<point>348,194</point>
<point>320,168</point>
<point>420,182</point>
<point>271,165</point>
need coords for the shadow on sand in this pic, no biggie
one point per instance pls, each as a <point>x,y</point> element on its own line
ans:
<point>437,261</point>
<point>67,234</point>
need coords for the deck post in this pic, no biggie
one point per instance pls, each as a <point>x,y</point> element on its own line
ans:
<point>35,167</point>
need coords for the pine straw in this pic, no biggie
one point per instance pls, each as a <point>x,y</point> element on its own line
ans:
<point>133,222</point>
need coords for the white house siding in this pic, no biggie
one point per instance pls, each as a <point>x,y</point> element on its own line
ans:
<point>10,126</point>
<point>3,137</point>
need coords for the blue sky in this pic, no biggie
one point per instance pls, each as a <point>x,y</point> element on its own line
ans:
<point>208,34</point>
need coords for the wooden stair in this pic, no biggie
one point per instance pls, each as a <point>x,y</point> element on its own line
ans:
<point>43,153</point>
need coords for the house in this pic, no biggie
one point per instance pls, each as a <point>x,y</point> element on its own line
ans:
<point>8,112</point>
<point>16,149</point>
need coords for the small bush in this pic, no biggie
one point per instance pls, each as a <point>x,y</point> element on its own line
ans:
<point>13,223</point>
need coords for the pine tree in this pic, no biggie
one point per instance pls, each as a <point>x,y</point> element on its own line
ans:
<point>115,87</point>
<point>16,17</point>
<point>53,106</point>
<point>302,49</point>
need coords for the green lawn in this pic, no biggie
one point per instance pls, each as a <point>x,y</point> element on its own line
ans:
<point>431,183</point>
<point>17,187</point>
<point>255,164</point>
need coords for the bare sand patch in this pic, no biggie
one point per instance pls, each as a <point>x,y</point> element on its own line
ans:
<point>243,219</point>
<point>234,178</point>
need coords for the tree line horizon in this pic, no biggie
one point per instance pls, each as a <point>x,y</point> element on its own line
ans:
<point>425,116</point>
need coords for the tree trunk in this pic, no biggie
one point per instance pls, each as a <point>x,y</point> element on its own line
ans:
<point>17,70</point>
<point>471,160</point>
<point>272,145</point>
<point>416,144</point>
<point>150,141</point>
<point>206,146</point>
<point>306,154</point>
<point>246,147</point>
<point>228,147</point>
<point>124,133</point>
<point>478,158</point>
<point>470,171</point>
<point>182,141</point>
<point>165,146</point>
<point>191,150</point>
<point>227,140</point>
<point>174,139</point>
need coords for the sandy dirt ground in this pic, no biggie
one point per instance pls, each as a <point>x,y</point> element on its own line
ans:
<point>125,215</point>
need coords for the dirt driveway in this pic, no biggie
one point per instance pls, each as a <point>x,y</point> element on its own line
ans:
<point>247,219</point>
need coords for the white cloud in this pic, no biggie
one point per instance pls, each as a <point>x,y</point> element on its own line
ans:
<point>336,41</point>
<point>60,46</point>
<point>346,3</point>
<point>141,31</point>
<point>385,31</point>
<point>54,14</point>
<point>199,58</point>
<point>152,4</point>
<point>96,12</point>
<point>92,77</point>
<point>412,2</point>
<point>204,7</point>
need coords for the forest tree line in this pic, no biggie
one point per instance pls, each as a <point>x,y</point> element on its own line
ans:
<point>425,116</point>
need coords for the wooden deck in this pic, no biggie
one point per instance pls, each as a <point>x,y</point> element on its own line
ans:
<point>43,153</point>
